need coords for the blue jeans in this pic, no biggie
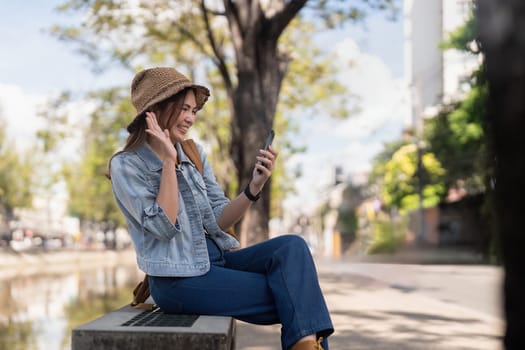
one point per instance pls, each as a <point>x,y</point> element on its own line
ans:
<point>271,282</point>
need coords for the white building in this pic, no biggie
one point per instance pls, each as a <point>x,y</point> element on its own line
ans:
<point>48,215</point>
<point>434,75</point>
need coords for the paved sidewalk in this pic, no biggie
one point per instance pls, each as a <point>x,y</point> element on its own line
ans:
<point>373,315</point>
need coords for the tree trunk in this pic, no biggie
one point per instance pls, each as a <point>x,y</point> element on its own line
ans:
<point>503,41</point>
<point>255,102</point>
<point>260,71</point>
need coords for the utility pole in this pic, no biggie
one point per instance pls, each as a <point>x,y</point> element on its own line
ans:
<point>419,174</point>
<point>418,141</point>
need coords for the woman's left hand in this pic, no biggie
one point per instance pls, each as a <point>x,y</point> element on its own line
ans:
<point>261,172</point>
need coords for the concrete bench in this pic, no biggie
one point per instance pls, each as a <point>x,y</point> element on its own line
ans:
<point>132,329</point>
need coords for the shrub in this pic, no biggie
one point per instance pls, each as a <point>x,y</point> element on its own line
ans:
<point>388,235</point>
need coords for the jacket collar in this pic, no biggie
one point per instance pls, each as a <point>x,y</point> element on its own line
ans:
<point>183,158</point>
<point>153,162</point>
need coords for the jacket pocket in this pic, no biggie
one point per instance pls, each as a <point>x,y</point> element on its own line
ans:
<point>196,177</point>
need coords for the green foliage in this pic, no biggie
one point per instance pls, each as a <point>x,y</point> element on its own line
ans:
<point>388,235</point>
<point>394,176</point>
<point>56,122</point>
<point>465,152</point>
<point>464,38</point>
<point>376,175</point>
<point>347,221</point>
<point>91,197</point>
<point>455,140</point>
<point>457,137</point>
<point>400,179</point>
<point>16,174</point>
<point>455,145</point>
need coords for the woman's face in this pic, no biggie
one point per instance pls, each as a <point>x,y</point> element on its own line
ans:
<point>182,123</point>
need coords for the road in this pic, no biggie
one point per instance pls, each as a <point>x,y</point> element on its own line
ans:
<point>402,307</point>
<point>476,287</point>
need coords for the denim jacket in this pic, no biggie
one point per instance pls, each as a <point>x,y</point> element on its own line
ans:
<point>164,248</point>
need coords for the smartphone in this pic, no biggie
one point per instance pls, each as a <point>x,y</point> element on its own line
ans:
<point>267,144</point>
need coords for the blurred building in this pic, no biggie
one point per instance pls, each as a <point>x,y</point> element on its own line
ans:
<point>434,75</point>
<point>47,220</point>
<point>437,77</point>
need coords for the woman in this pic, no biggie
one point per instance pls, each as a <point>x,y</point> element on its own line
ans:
<point>177,217</point>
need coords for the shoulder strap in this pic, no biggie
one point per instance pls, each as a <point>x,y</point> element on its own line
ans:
<point>190,149</point>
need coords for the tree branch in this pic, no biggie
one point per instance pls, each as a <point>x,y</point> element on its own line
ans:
<point>219,58</point>
<point>281,19</point>
<point>191,37</point>
<point>235,24</point>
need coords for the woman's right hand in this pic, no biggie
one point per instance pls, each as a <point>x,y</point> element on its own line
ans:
<point>167,148</point>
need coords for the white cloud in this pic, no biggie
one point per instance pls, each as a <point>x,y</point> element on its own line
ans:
<point>350,143</point>
<point>383,98</point>
<point>19,111</point>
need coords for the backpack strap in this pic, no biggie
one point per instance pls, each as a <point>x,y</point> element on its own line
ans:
<point>190,149</point>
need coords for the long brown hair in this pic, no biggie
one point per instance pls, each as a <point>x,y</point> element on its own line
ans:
<point>167,112</point>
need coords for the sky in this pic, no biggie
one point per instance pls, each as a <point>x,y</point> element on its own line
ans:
<point>34,65</point>
<point>376,76</point>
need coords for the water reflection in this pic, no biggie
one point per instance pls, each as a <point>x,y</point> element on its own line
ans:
<point>39,311</point>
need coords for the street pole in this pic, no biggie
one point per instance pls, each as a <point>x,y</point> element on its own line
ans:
<point>419,172</point>
<point>418,134</point>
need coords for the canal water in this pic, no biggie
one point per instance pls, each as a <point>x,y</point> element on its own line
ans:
<point>39,308</point>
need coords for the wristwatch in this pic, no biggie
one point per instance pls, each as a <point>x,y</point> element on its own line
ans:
<point>250,195</point>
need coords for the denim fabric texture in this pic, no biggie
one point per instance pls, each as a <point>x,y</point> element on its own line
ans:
<point>164,248</point>
<point>271,282</point>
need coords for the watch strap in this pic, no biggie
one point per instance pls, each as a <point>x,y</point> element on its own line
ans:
<point>250,196</point>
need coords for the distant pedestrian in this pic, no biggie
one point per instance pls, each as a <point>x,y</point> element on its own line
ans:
<point>177,218</point>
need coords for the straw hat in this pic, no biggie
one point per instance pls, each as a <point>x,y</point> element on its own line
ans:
<point>154,85</point>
